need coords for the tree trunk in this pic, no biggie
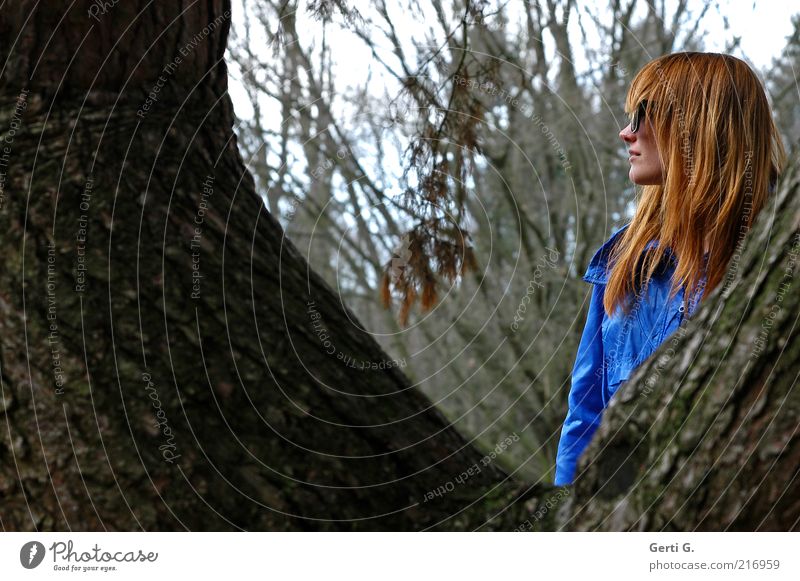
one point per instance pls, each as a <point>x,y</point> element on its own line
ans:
<point>181,367</point>
<point>168,361</point>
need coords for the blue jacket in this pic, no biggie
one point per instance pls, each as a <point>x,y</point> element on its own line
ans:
<point>612,347</point>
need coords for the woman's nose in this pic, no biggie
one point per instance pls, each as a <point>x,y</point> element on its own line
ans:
<point>626,134</point>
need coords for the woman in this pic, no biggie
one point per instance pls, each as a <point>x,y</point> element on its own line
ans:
<point>706,153</point>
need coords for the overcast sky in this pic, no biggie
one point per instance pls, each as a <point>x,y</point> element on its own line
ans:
<point>763,26</point>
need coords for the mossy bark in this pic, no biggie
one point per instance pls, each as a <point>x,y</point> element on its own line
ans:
<point>168,360</point>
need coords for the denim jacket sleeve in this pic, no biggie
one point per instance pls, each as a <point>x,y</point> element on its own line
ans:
<point>585,396</point>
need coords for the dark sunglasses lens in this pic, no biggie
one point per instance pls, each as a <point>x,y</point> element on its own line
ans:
<point>638,115</point>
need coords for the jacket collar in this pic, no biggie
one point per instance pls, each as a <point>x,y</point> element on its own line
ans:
<point>597,273</point>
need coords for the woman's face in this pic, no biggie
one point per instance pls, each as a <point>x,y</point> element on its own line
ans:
<point>646,167</point>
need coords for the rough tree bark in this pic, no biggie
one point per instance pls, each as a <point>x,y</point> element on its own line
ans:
<point>259,427</point>
<point>169,362</point>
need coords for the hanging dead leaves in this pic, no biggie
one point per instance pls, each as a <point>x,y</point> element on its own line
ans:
<point>418,263</point>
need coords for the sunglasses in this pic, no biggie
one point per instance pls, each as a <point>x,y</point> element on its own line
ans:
<point>638,116</point>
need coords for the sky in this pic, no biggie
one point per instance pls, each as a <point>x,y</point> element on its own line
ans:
<point>763,26</point>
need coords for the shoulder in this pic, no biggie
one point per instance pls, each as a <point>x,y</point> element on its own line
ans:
<point>597,271</point>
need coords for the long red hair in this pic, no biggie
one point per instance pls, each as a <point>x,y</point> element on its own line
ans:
<point>720,151</point>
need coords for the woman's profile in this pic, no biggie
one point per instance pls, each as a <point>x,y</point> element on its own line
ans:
<point>705,154</point>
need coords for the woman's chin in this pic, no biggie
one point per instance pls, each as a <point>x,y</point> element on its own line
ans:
<point>643,180</point>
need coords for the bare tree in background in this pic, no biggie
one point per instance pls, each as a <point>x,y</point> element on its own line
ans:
<point>783,82</point>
